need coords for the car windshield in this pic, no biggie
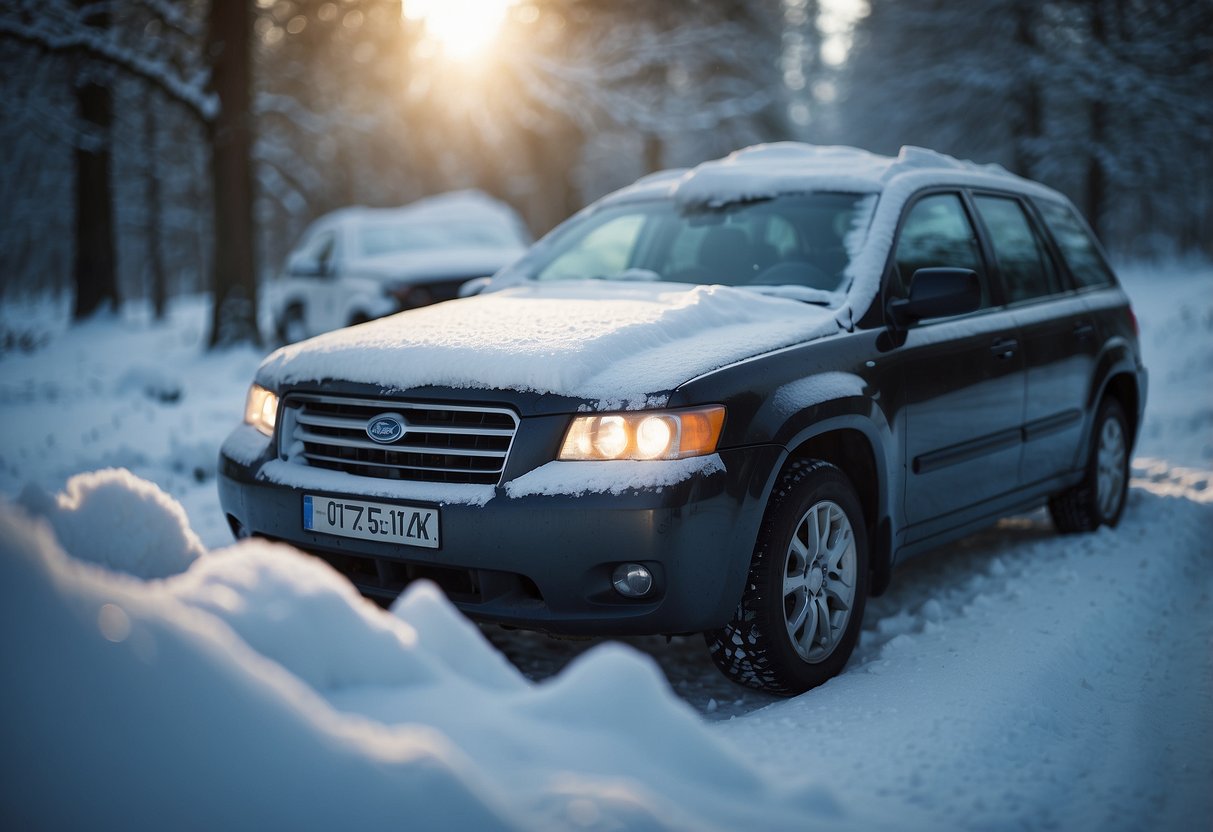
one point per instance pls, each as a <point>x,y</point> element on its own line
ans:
<point>379,238</point>
<point>797,245</point>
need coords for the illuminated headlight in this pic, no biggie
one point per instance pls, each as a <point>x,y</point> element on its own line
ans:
<point>664,434</point>
<point>261,409</point>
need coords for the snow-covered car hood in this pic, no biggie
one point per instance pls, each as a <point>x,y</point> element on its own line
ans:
<point>617,344</point>
<point>407,266</point>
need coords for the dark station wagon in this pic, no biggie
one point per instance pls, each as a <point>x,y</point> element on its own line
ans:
<point>725,400</point>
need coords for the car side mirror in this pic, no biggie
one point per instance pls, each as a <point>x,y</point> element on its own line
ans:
<point>936,293</point>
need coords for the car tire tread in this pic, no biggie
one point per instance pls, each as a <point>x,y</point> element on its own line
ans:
<point>747,649</point>
<point>1076,510</point>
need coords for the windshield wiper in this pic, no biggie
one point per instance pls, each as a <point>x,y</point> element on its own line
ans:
<point>805,294</point>
<point>631,276</point>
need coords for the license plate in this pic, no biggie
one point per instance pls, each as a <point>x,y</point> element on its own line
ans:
<point>341,516</point>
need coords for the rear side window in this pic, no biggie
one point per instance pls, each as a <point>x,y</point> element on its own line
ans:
<point>1023,261</point>
<point>937,232</point>
<point>1076,244</point>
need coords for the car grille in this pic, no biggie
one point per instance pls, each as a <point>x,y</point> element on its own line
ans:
<point>442,442</point>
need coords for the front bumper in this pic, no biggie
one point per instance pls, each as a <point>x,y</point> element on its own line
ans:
<point>543,562</point>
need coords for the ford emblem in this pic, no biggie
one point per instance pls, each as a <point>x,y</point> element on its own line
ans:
<point>385,428</point>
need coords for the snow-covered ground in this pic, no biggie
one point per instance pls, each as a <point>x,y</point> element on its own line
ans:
<point>1016,679</point>
<point>119,393</point>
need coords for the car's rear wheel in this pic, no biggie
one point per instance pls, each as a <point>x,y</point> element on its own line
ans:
<point>802,608</point>
<point>1100,498</point>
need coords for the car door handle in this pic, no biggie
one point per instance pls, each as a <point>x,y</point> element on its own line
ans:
<point>1004,348</point>
<point>1084,330</point>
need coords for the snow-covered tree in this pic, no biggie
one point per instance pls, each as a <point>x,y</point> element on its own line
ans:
<point>107,51</point>
<point>954,77</point>
<point>1137,75</point>
<point>1105,99</point>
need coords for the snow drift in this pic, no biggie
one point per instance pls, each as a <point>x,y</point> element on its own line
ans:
<point>1014,680</point>
<point>114,519</point>
<point>256,689</point>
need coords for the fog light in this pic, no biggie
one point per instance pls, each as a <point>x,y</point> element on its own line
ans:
<point>632,580</point>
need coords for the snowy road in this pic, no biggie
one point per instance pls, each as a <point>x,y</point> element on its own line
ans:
<point>1016,679</point>
<point>1025,680</point>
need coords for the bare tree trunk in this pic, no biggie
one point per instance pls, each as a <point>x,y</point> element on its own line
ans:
<point>1098,118</point>
<point>553,162</point>
<point>1028,125</point>
<point>152,202</point>
<point>95,271</point>
<point>654,152</point>
<point>233,270</point>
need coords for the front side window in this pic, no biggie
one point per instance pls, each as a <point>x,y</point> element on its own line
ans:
<point>1025,265</point>
<point>937,234</point>
<point>1076,244</point>
<point>316,256</point>
<point>794,244</point>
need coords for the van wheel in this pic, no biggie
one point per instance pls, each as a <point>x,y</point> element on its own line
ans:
<point>1100,498</point>
<point>802,608</point>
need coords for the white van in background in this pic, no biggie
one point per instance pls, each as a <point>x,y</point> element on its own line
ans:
<point>356,264</point>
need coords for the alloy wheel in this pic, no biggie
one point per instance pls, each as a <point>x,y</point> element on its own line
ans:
<point>819,581</point>
<point>1110,461</point>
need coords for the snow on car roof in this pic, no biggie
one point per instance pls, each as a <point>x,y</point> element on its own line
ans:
<point>766,170</point>
<point>462,207</point>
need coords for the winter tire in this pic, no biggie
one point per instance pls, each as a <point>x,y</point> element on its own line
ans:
<point>802,608</point>
<point>1100,498</point>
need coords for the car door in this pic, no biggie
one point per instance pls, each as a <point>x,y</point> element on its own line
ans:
<point>962,377</point>
<point>306,288</point>
<point>327,310</point>
<point>1056,331</point>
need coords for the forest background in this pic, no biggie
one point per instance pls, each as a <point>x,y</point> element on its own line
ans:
<point>153,148</point>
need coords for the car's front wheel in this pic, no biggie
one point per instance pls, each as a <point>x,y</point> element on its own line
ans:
<point>802,608</point>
